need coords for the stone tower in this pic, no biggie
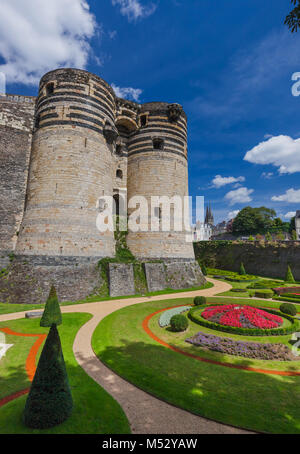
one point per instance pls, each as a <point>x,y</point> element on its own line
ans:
<point>70,167</point>
<point>157,166</point>
<point>88,144</point>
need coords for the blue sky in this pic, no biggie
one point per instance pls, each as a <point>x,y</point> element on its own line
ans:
<point>228,62</point>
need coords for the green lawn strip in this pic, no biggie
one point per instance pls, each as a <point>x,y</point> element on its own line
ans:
<point>246,399</point>
<point>95,411</point>
<point>178,340</point>
<point>6,308</point>
<point>13,376</point>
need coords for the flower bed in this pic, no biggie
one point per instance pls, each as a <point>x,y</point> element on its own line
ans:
<point>282,290</point>
<point>195,314</point>
<point>165,318</point>
<point>275,352</point>
<point>242,317</point>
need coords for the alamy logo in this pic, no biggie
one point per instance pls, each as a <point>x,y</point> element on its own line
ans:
<point>154,214</point>
<point>2,84</point>
<point>3,346</point>
<point>296,86</point>
<point>296,345</point>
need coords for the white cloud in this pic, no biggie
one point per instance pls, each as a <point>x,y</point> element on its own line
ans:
<point>280,151</point>
<point>127,92</point>
<point>290,215</point>
<point>267,175</point>
<point>241,195</point>
<point>38,36</point>
<point>133,9</point>
<point>290,196</point>
<point>220,181</point>
<point>232,214</point>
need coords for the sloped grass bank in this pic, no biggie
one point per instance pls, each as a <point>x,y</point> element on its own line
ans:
<point>255,401</point>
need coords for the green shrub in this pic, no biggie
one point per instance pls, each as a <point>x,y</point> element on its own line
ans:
<point>289,275</point>
<point>288,308</point>
<point>49,402</point>
<point>204,270</point>
<point>52,313</point>
<point>264,293</point>
<point>242,271</point>
<point>179,323</point>
<point>199,300</point>
<point>264,284</point>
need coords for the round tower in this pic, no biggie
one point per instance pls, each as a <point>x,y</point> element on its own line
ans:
<point>157,166</point>
<point>71,167</point>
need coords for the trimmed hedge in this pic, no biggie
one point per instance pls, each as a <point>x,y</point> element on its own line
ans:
<point>264,294</point>
<point>264,284</point>
<point>49,402</point>
<point>287,308</point>
<point>52,313</point>
<point>283,298</point>
<point>179,323</point>
<point>199,300</point>
<point>240,279</point>
<point>197,318</point>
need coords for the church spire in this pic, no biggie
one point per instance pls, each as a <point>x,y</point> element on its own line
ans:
<point>209,219</point>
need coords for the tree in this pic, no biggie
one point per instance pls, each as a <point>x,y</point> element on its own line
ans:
<point>251,221</point>
<point>52,312</point>
<point>289,276</point>
<point>269,236</point>
<point>49,402</point>
<point>292,224</point>
<point>294,235</point>
<point>242,271</point>
<point>293,18</point>
<point>204,270</point>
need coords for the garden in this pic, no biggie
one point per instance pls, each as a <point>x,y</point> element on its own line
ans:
<point>231,359</point>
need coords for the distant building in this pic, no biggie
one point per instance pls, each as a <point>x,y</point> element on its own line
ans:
<point>297,223</point>
<point>202,232</point>
<point>220,228</point>
<point>209,219</point>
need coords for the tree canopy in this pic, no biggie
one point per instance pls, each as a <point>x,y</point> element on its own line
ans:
<point>293,18</point>
<point>254,220</point>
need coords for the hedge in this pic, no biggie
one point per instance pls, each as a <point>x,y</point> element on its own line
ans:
<point>245,331</point>
<point>263,293</point>
<point>283,298</point>
<point>179,323</point>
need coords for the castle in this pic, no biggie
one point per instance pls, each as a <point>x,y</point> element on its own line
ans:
<point>62,151</point>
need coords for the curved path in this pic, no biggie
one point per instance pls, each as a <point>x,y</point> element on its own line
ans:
<point>146,413</point>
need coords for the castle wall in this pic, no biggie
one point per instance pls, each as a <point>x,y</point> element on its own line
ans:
<point>153,172</point>
<point>16,124</point>
<point>71,167</point>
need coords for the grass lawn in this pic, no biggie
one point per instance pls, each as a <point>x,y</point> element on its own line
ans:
<point>267,403</point>
<point>95,411</point>
<point>6,308</point>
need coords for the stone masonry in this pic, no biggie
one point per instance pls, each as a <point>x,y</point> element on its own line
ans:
<point>60,155</point>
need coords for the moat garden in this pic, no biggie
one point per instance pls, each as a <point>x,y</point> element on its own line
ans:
<point>231,357</point>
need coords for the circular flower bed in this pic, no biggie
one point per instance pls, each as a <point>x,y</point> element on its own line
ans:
<point>242,317</point>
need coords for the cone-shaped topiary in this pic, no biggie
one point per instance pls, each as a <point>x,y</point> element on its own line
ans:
<point>204,270</point>
<point>49,402</point>
<point>52,313</point>
<point>289,275</point>
<point>242,271</point>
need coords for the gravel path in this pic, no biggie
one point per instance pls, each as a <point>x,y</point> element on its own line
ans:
<point>146,413</point>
